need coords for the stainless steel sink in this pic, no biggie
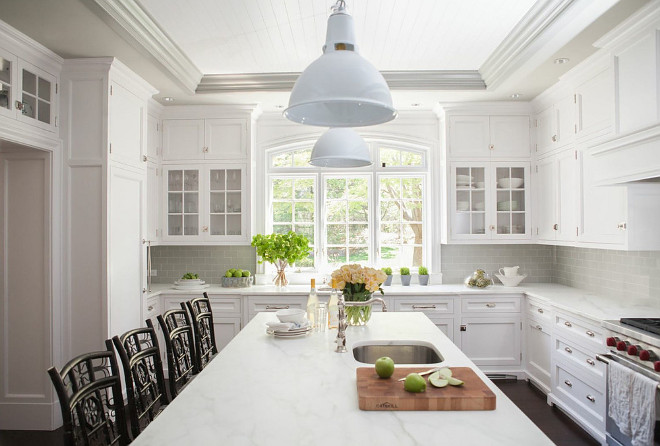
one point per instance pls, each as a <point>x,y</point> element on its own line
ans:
<point>401,353</point>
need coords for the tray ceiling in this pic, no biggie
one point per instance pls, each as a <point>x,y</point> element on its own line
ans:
<point>270,36</point>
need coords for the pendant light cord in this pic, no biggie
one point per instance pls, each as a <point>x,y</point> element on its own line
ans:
<point>340,6</point>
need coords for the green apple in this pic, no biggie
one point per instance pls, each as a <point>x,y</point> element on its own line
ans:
<point>384,367</point>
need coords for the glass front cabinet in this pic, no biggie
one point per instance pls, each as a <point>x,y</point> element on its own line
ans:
<point>27,93</point>
<point>205,203</point>
<point>490,201</point>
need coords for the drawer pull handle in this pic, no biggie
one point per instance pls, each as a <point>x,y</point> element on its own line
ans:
<point>568,383</point>
<point>540,310</point>
<point>591,398</point>
<point>150,307</point>
<point>591,361</point>
<point>590,333</point>
<point>277,307</point>
<point>568,324</point>
<point>490,305</point>
<point>538,327</point>
<point>568,350</point>
<point>423,307</point>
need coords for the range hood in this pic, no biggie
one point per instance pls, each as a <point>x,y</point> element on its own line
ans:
<point>627,158</point>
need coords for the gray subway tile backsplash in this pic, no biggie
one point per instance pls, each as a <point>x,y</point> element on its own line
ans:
<point>630,275</point>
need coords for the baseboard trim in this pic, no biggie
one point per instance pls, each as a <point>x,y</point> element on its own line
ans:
<point>30,416</point>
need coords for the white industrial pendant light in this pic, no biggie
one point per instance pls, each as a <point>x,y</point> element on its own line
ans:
<point>340,88</point>
<point>340,147</point>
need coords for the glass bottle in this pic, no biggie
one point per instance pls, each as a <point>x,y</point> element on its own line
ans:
<point>312,302</point>
<point>333,308</point>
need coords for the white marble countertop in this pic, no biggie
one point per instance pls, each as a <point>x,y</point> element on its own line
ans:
<point>581,302</point>
<point>262,390</point>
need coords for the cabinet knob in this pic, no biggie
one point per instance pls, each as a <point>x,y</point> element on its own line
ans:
<point>205,229</point>
<point>554,138</point>
<point>568,350</point>
<point>568,324</point>
<point>19,105</point>
<point>555,227</point>
<point>205,149</point>
<point>590,362</point>
<point>144,158</point>
<point>491,147</point>
<point>590,333</point>
<point>491,227</point>
<point>621,226</point>
<point>568,383</point>
<point>538,327</point>
<point>491,305</point>
<point>150,308</point>
<point>540,310</point>
<point>591,398</point>
<point>144,290</point>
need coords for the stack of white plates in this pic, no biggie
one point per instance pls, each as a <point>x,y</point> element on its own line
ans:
<point>190,284</point>
<point>283,330</point>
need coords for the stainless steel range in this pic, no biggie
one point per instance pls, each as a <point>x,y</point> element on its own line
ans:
<point>635,344</point>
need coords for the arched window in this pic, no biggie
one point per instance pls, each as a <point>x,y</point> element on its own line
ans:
<point>375,215</point>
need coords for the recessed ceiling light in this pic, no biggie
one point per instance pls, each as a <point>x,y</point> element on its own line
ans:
<point>515,95</point>
<point>415,104</point>
<point>279,106</point>
<point>168,99</point>
<point>562,60</point>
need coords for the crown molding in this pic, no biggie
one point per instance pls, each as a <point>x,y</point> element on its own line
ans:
<point>396,80</point>
<point>29,49</point>
<point>132,18</point>
<point>641,23</point>
<point>524,39</point>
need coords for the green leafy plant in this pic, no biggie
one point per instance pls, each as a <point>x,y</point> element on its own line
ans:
<point>289,247</point>
<point>423,271</point>
<point>387,270</point>
<point>404,271</point>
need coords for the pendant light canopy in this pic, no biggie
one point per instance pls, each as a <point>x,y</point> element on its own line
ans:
<point>340,147</point>
<point>340,88</point>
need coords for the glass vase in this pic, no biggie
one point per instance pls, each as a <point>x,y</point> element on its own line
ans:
<point>280,279</point>
<point>358,315</point>
<point>357,293</point>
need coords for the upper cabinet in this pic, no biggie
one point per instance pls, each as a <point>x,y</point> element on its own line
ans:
<point>127,126</point>
<point>555,125</point>
<point>594,97</point>
<point>205,139</point>
<point>491,137</point>
<point>29,81</point>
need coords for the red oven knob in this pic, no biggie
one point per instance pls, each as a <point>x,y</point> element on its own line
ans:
<point>633,350</point>
<point>622,346</point>
<point>611,342</point>
<point>647,355</point>
<point>656,366</point>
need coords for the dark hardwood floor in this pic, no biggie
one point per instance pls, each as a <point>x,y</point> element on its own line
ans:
<point>552,421</point>
<point>561,429</point>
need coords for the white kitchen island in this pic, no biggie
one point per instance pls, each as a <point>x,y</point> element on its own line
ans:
<point>261,390</point>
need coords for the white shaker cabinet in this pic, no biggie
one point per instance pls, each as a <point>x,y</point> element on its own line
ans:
<point>556,192</point>
<point>127,122</point>
<point>205,139</point>
<point>555,125</point>
<point>539,318</point>
<point>491,137</point>
<point>595,106</point>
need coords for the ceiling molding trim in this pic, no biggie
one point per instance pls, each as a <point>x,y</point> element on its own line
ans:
<point>525,37</point>
<point>133,19</point>
<point>396,80</point>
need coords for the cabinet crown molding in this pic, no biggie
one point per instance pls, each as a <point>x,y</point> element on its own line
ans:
<point>642,22</point>
<point>15,41</point>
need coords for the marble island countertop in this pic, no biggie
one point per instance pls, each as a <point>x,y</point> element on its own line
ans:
<point>262,390</point>
<point>581,302</point>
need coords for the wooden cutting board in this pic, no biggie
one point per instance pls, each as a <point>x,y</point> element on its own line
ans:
<point>375,393</point>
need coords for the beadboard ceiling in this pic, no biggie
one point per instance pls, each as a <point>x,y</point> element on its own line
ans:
<point>251,51</point>
<point>269,36</point>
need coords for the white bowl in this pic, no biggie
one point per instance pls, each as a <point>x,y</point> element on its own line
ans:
<point>462,205</point>
<point>480,184</point>
<point>479,206</point>
<point>295,315</point>
<point>510,183</point>
<point>510,281</point>
<point>507,206</point>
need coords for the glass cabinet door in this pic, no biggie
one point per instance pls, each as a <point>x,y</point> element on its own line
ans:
<point>36,95</point>
<point>470,201</point>
<point>183,202</point>
<point>7,82</point>
<point>225,201</point>
<point>510,186</point>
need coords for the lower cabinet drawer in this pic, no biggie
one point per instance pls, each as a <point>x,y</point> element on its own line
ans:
<point>582,359</point>
<point>436,306</point>
<point>490,305</point>
<point>588,333</point>
<point>257,304</point>
<point>539,310</point>
<point>583,401</point>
